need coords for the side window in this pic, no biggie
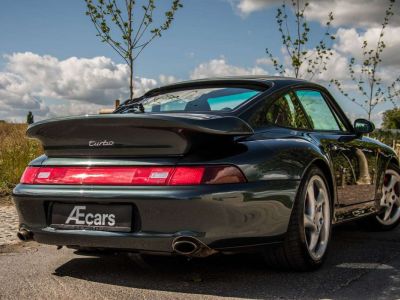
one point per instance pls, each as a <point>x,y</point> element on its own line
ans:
<point>284,111</point>
<point>230,101</point>
<point>318,110</point>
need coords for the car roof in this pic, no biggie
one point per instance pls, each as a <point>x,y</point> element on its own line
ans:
<point>250,78</point>
<point>257,80</point>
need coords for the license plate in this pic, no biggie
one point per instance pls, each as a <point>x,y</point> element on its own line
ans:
<point>92,217</point>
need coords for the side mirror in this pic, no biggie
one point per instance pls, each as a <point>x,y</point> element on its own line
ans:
<point>362,126</point>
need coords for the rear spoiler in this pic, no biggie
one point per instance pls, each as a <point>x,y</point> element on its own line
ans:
<point>133,134</point>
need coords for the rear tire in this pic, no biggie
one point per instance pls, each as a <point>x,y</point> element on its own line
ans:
<point>306,242</point>
<point>389,217</point>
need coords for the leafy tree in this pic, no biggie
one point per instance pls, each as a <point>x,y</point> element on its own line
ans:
<point>30,118</point>
<point>365,75</point>
<point>391,119</point>
<point>306,60</point>
<point>126,33</point>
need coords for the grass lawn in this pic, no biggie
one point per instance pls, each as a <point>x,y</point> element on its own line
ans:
<point>16,151</point>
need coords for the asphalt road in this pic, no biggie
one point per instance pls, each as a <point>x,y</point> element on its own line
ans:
<point>361,265</point>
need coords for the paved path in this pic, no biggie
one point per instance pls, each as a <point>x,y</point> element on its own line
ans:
<point>361,265</point>
<point>8,223</point>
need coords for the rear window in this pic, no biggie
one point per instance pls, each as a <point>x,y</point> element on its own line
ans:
<point>222,99</point>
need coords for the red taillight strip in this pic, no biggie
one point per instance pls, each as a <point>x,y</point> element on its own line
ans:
<point>133,176</point>
<point>29,175</point>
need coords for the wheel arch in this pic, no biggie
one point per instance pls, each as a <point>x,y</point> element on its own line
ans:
<point>395,161</point>
<point>323,165</point>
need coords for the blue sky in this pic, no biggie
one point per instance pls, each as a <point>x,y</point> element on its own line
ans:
<point>208,37</point>
<point>204,29</point>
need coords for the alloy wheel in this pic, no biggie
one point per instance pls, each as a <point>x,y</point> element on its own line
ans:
<point>390,201</point>
<point>317,217</point>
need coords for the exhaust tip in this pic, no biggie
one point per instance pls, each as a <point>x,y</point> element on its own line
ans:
<point>25,235</point>
<point>191,246</point>
<point>185,247</point>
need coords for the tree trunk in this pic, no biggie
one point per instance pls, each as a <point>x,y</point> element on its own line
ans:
<point>129,7</point>
<point>131,81</point>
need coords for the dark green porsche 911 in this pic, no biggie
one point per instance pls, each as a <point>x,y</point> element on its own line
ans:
<point>211,166</point>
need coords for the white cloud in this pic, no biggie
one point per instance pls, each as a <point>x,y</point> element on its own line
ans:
<point>359,13</point>
<point>16,100</point>
<point>336,67</point>
<point>264,61</point>
<point>349,41</point>
<point>246,7</point>
<point>220,68</point>
<point>72,108</point>
<point>95,80</point>
<point>376,117</point>
<point>80,85</point>
<point>50,87</point>
<point>165,79</point>
<point>355,12</point>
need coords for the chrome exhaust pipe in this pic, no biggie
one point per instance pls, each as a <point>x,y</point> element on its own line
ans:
<point>185,247</point>
<point>192,247</point>
<point>25,235</point>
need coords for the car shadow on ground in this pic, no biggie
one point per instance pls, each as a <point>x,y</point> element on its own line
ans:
<point>354,253</point>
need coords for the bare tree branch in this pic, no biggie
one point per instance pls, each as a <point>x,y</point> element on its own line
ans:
<point>107,17</point>
<point>306,61</point>
<point>372,90</point>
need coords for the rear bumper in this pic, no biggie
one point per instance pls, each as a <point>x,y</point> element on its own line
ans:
<point>224,217</point>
